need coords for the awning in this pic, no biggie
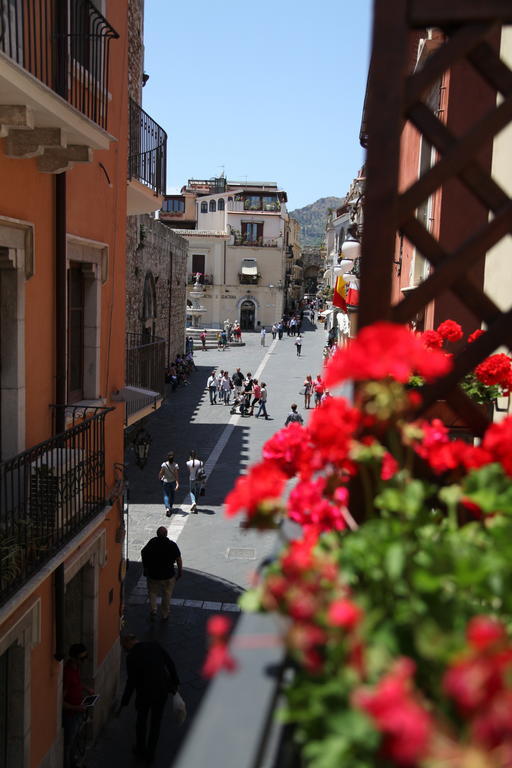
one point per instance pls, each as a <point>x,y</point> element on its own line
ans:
<point>249,267</point>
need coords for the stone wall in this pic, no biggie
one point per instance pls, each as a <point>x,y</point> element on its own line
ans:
<point>135,49</point>
<point>156,261</point>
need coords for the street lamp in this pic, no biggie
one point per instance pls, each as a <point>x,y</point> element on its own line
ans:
<point>141,445</point>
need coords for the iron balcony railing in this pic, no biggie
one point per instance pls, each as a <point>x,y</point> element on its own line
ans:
<point>145,362</point>
<point>203,279</point>
<point>48,494</point>
<point>257,242</point>
<point>147,157</point>
<point>65,46</point>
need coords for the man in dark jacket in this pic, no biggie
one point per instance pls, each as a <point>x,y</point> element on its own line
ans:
<point>152,675</point>
<point>158,558</point>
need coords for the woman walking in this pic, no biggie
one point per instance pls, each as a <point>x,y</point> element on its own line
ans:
<point>169,476</point>
<point>308,391</point>
<point>194,465</point>
<point>298,344</point>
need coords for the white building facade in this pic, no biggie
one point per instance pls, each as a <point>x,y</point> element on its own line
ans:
<point>238,249</point>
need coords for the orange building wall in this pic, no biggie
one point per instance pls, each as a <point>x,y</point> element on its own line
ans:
<point>97,211</point>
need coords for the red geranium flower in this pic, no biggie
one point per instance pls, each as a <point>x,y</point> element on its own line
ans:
<point>475,335</point>
<point>263,482</point>
<point>483,632</point>
<point>218,658</point>
<point>450,330</point>
<point>389,466</point>
<point>308,507</point>
<point>344,613</point>
<point>432,339</point>
<point>496,370</point>
<point>498,442</point>
<point>385,350</point>
<point>290,449</point>
<point>331,429</point>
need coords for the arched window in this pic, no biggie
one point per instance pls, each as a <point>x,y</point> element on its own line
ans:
<point>221,204</point>
<point>213,206</point>
<point>204,208</point>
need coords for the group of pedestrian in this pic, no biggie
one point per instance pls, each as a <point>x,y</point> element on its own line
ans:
<point>179,371</point>
<point>314,388</point>
<point>231,332</point>
<point>247,392</point>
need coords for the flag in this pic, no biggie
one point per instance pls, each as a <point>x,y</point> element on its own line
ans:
<point>340,290</point>
<point>352,297</point>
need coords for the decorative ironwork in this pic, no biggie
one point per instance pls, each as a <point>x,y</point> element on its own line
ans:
<point>47,495</point>
<point>147,156</point>
<point>66,47</point>
<point>468,28</point>
<point>145,362</point>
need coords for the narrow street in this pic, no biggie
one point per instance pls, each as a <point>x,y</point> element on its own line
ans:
<point>219,556</point>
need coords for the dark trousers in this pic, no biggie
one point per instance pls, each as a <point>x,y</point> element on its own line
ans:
<point>154,707</point>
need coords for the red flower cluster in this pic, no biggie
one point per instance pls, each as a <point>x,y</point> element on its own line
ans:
<point>385,350</point>
<point>405,724</point>
<point>443,454</point>
<point>496,370</point>
<point>331,429</point>
<point>291,451</point>
<point>309,590</point>
<point>479,683</point>
<point>450,330</point>
<point>432,339</point>
<point>308,506</point>
<point>218,656</point>
<point>263,483</point>
<point>498,443</point>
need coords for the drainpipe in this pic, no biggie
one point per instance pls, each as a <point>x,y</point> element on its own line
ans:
<point>61,86</point>
<point>60,301</point>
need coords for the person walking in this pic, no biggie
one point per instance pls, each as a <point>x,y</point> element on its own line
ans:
<point>203,339</point>
<point>308,391</point>
<point>211,386</point>
<point>158,558</point>
<point>238,380</point>
<point>226,387</point>
<point>318,387</point>
<point>194,466</point>
<point>263,336</point>
<point>293,416</point>
<point>219,377</point>
<point>293,326</point>
<point>247,392</point>
<point>274,331</point>
<point>224,340</point>
<point>298,344</point>
<point>169,477</point>
<point>280,330</point>
<point>263,402</point>
<point>256,392</point>
<point>152,675</point>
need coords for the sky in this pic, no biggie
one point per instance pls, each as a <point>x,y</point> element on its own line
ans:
<point>264,91</point>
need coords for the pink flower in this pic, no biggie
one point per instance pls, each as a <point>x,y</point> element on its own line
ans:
<point>218,658</point>
<point>218,626</point>
<point>389,467</point>
<point>450,330</point>
<point>344,613</point>
<point>483,632</point>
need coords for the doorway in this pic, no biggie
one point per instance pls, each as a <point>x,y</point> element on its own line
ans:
<point>79,608</point>
<point>247,315</point>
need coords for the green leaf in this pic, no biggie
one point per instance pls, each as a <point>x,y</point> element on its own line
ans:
<point>250,601</point>
<point>395,560</point>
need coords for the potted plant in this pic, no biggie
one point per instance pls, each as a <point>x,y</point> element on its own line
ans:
<point>399,628</point>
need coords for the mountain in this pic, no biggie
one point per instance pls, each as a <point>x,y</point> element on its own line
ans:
<point>312,219</point>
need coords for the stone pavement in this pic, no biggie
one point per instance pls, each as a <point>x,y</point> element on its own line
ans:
<point>219,556</point>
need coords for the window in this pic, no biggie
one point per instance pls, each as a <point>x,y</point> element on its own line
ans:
<point>252,232</point>
<point>198,260</point>
<point>76,311</point>
<point>204,207</point>
<point>220,206</point>
<point>261,203</point>
<point>174,205</point>
<point>213,206</point>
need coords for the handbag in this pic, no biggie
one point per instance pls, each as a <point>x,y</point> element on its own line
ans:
<point>201,475</point>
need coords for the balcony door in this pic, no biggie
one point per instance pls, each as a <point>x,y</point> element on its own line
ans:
<point>252,232</point>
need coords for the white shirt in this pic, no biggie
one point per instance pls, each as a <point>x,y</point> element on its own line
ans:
<point>263,331</point>
<point>193,465</point>
<point>212,382</point>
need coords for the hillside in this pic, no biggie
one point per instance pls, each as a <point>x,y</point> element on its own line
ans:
<point>313,217</point>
